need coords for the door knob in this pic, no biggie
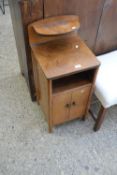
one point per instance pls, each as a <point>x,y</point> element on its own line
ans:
<point>73,103</point>
<point>67,105</point>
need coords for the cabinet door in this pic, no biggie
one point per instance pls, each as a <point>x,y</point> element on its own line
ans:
<point>79,102</point>
<point>107,35</point>
<point>61,108</point>
<point>88,11</point>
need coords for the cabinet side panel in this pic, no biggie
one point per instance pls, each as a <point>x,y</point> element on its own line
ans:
<point>36,78</point>
<point>30,12</point>
<point>79,102</point>
<point>107,35</point>
<point>89,13</point>
<point>44,93</point>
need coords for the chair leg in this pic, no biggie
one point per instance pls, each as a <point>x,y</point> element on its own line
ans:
<point>100,118</point>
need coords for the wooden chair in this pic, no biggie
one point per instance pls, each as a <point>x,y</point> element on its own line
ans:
<point>106,85</point>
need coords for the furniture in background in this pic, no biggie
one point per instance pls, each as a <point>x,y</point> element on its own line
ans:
<point>107,33</point>
<point>20,42</point>
<point>98,25</point>
<point>106,85</point>
<point>64,69</point>
<point>2,6</point>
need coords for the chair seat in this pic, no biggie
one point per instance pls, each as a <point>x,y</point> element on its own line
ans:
<point>106,82</point>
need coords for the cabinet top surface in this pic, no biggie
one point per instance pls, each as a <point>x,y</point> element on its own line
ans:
<point>64,56</point>
<point>56,25</point>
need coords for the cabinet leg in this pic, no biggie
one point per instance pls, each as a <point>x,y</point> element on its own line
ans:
<point>50,128</point>
<point>84,118</point>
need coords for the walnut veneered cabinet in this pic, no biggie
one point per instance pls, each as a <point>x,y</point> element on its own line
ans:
<point>64,79</point>
<point>64,72</point>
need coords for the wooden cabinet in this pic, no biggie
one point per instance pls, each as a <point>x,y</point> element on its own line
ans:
<point>70,105</point>
<point>64,73</point>
<point>31,11</point>
<point>107,33</point>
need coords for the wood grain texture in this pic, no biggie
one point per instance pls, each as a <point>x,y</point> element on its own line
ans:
<point>35,39</point>
<point>64,56</point>
<point>57,25</point>
<point>36,79</point>
<point>71,82</point>
<point>43,92</point>
<point>66,70</point>
<point>94,76</point>
<point>61,108</point>
<point>107,34</point>
<point>43,96</point>
<point>79,101</point>
<point>70,104</point>
<point>88,11</point>
<point>30,11</point>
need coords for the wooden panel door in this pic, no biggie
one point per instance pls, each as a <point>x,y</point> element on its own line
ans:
<point>107,35</point>
<point>30,12</point>
<point>79,102</point>
<point>61,108</point>
<point>88,11</point>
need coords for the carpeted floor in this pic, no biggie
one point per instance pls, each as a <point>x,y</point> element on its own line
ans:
<point>26,148</point>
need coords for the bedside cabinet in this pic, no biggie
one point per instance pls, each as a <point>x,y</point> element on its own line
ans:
<point>64,71</point>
